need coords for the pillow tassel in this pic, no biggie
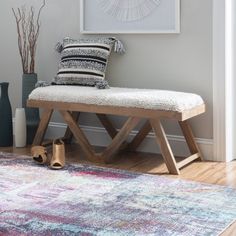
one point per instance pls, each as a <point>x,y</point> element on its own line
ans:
<point>41,83</point>
<point>102,85</point>
<point>119,46</point>
<point>59,47</point>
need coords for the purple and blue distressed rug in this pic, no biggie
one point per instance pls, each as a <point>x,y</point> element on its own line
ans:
<point>88,200</point>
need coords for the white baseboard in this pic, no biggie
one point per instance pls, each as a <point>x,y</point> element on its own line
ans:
<point>99,137</point>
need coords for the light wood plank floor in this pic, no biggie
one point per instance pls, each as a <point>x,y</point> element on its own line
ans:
<point>207,172</point>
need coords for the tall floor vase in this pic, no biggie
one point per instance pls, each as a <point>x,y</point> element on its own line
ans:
<point>20,127</point>
<point>32,114</point>
<point>6,134</point>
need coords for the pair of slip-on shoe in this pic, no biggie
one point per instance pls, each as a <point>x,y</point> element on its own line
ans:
<point>57,161</point>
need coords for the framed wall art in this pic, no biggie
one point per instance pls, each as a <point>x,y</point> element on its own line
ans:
<point>129,16</point>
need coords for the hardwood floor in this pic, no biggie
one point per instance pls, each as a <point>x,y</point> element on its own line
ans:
<point>207,172</point>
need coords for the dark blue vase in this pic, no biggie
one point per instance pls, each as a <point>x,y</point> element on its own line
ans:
<point>32,114</point>
<point>6,134</point>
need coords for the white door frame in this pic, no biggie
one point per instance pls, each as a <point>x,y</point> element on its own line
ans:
<point>223,80</point>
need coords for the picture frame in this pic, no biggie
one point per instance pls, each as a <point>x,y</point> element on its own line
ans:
<point>164,19</point>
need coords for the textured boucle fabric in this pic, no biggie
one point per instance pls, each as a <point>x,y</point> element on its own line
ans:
<point>121,97</point>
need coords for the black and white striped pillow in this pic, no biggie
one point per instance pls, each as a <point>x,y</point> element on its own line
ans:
<point>84,61</point>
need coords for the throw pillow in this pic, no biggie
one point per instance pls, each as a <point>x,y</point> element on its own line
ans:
<point>84,61</point>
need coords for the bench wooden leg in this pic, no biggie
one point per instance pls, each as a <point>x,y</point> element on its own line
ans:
<point>68,136</point>
<point>164,146</point>
<point>193,147</point>
<point>111,130</point>
<point>80,137</point>
<point>119,138</point>
<point>43,124</point>
<point>87,148</point>
<point>138,139</point>
<point>188,134</point>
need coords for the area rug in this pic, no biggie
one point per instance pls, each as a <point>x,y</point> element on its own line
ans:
<point>89,200</point>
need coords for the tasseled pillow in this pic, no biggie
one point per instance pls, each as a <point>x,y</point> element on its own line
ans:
<point>84,61</point>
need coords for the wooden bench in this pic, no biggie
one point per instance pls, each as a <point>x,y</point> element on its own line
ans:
<point>136,104</point>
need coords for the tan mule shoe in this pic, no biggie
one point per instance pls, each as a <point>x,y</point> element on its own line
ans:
<point>39,154</point>
<point>58,155</point>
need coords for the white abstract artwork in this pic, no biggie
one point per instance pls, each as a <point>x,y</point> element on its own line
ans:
<point>128,10</point>
<point>129,16</point>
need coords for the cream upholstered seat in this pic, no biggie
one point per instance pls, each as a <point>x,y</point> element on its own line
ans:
<point>119,97</point>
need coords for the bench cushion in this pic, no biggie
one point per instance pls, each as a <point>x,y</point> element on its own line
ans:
<point>122,97</point>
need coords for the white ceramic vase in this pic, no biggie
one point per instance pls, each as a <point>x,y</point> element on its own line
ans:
<point>20,127</point>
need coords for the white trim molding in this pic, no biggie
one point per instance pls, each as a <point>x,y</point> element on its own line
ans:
<point>99,137</point>
<point>222,80</point>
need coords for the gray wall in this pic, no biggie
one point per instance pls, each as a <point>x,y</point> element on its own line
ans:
<point>181,62</point>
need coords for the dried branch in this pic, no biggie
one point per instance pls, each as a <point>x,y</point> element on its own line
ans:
<point>28,27</point>
<point>18,20</point>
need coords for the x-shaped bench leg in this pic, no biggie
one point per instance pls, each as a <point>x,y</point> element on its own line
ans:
<point>189,137</point>
<point>164,146</point>
<point>79,135</point>
<point>43,124</point>
<point>68,136</point>
<point>107,124</point>
<point>166,151</point>
<point>140,136</point>
<point>119,138</point>
<point>105,156</point>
